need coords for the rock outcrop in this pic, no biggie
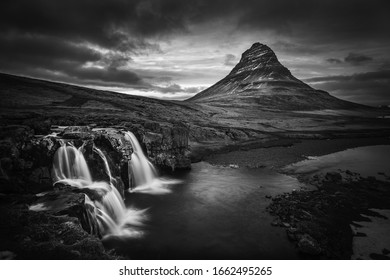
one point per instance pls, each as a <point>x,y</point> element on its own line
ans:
<point>25,160</point>
<point>52,234</point>
<point>167,146</point>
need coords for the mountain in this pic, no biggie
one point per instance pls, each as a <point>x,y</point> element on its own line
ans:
<point>259,78</point>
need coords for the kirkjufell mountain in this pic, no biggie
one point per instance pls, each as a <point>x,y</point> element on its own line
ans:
<point>260,79</point>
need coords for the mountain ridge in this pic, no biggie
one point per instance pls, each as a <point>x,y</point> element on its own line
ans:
<point>259,77</point>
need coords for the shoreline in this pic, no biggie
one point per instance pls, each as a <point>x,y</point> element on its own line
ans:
<point>284,153</point>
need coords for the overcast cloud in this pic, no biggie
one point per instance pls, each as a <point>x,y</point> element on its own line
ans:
<point>173,48</point>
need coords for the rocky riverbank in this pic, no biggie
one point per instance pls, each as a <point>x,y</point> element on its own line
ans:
<point>319,221</point>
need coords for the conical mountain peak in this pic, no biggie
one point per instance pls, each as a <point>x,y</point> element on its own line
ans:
<point>258,70</point>
<point>261,59</point>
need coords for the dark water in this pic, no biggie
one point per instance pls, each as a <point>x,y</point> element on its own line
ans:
<point>216,213</point>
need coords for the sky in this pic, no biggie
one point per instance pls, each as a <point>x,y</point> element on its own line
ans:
<point>173,49</point>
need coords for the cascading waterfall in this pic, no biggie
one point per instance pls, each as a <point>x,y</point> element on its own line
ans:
<point>114,219</point>
<point>144,173</point>
<point>69,163</point>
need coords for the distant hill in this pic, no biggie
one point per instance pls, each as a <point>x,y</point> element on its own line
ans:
<point>259,78</point>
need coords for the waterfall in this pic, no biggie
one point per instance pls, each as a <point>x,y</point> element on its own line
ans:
<point>143,171</point>
<point>114,219</point>
<point>69,163</point>
<point>106,166</point>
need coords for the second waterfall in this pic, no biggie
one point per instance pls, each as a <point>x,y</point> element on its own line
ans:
<point>144,173</point>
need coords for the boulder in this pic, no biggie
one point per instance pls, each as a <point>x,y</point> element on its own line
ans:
<point>308,245</point>
<point>73,204</point>
<point>334,177</point>
<point>41,235</point>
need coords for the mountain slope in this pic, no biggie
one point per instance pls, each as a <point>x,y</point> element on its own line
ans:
<point>259,78</point>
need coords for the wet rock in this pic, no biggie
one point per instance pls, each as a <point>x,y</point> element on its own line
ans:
<point>40,235</point>
<point>293,234</point>
<point>308,245</point>
<point>376,256</point>
<point>167,146</point>
<point>7,255</point>
<point>25,161</point>
<point>286,225</point>
<point>77,132</point>
<point>66,202</point>
<point>333,176</point>
<point>41,175</point>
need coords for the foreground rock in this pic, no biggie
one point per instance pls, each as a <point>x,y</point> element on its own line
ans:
<point>53,234</point>
<point>319,221</point>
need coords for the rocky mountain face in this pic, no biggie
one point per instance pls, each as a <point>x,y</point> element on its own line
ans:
<point>260,79</point>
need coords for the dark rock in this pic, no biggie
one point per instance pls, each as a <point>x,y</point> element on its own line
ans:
<point>360,234</point>
<point>46,234</point>
<point>77,132</point>
<point>334,177</point>
<point>308,245</point>
<point>375,256</point>
<point>167,146</point>
<point>292,234</point>
<point>66,202</point>
<point>7,255</point>
<point>25,161</point>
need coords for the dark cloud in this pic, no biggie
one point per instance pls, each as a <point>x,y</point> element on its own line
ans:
<point>334,60</point>
<point>355,58</point>
<point>62,36</point>
<point>109,23</point>
<point>38,48</point>
<point>230,60</point>
<point>368,88</point>
<point>58,39</point>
